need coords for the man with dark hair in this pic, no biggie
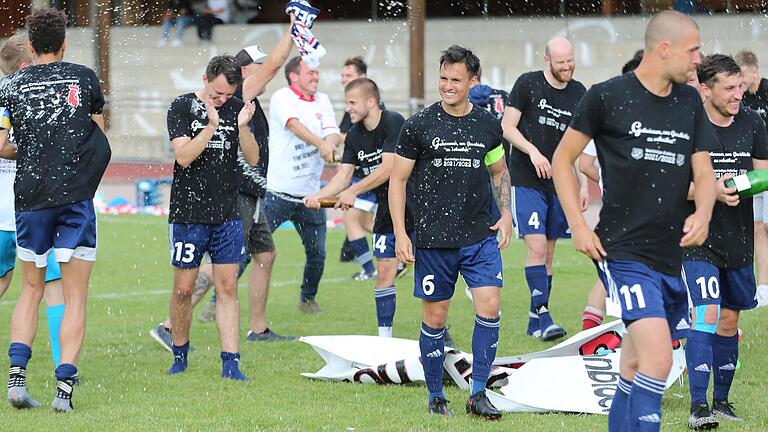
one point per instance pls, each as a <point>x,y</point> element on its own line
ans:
<point>485,96</point>
<point>720,273</point>
<point>368,155</point>
<point>756,97</point>
<point>450,148</point>
<point>652,137</point>
<point>258,70</point>
<point>206,128</point>
<point>54,109</point>
<point>303,135</point>
<point>633,63</point>
<point>15,55</point>
<point>540,107</point>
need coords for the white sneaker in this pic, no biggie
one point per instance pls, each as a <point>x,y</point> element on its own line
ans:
<point>162,43</point>
<point>176,43</point>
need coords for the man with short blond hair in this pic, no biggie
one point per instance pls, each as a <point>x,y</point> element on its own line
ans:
<point>14,54</point>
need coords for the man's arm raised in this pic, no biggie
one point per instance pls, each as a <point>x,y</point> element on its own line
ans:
<point>254,84</point>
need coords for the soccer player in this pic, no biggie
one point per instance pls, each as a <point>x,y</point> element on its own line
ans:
<point>357,221</point>
<point>756,97</point>
<point>15,55</point>
<point>206,128</point>
<point>368,154</point>
<point>448,150</point>
<point>303,135</point>
<point>652,137</point>
<point>54,108</point>
<point>594,311</point>
<point>258,70</point>
<point>720,274</point>
<point>540,107</point>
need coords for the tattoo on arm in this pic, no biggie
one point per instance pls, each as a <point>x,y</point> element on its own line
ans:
<point>502,190</point>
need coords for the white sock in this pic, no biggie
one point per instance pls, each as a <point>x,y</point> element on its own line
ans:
<point>385,331</point>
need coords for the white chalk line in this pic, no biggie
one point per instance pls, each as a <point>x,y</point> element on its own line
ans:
<point>167,291</point>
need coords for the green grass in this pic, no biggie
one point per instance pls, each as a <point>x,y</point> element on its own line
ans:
<point>124,386</point>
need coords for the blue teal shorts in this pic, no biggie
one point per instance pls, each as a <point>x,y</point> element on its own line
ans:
<point>8,258</point>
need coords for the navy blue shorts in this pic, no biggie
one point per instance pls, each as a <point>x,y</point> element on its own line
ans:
<point>384,245</point>
<point>224,243</point>
<point>70,230</point>
<point>732,289</point>
<point>537,212</point>
<point>436,270</point>
<point>645,293</point>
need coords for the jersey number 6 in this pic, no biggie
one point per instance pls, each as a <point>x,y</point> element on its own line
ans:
<point>427,285</point>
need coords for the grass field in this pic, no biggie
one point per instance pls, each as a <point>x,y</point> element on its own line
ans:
<point>124,386</point>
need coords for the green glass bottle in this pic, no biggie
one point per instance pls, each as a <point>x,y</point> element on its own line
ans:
<point>749,184</point>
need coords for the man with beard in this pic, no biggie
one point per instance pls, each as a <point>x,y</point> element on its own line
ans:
<point>539,109</point>
<point>652,138</point>
<point>720,274</point>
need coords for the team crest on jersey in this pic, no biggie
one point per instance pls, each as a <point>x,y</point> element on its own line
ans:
<point>319,116</point>
<point>542,120</point>
<point>475,163</point>
<point>73,97</point>
<point>637,153</point>
<point>437,162</point>
<point>680,159</point>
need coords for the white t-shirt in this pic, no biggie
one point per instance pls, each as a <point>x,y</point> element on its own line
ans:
<point>591,150</point>
<point>295,167</point>
<point>7,213</point>
<point>219,4</point>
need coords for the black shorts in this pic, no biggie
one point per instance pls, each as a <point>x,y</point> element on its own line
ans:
<point>258,236</point>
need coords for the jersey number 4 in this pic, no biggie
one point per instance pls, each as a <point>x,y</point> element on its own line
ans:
<point>534,220</point>
<point>187,249</point>
<point>380,243</point>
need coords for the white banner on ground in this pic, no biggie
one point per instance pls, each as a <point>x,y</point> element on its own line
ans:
<point>568,377</point>
<point>582,384</point>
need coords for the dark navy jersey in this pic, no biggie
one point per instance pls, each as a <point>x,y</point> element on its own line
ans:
<point>452,198</point>
<point>205,192</point>
<point>644,144</point>
<point>545,113</point>
<point>731,239</point>
<point>61,153</point>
